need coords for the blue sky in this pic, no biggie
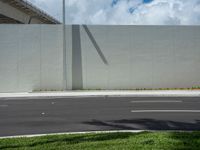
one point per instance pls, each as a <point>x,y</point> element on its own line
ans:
<point>137,12</point>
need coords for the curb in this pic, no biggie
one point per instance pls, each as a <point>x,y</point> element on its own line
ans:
<point>79,94</point>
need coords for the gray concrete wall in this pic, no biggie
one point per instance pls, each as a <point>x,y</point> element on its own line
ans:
<point>30,58</point>
<point>130,57</point>
<point>99,57</point>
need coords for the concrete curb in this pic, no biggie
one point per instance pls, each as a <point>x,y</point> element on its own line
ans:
<point>84,94</point>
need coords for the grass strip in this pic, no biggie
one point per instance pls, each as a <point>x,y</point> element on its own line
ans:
<point>107,141</point>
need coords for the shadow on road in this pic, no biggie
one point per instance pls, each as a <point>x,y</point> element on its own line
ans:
<point>174,140</point>
<point>145,124</point>
<point>186,140</point>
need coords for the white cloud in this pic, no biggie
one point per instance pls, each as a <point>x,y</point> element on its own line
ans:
<point>162,12</point>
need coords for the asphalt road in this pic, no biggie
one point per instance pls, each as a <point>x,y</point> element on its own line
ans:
<point>23,117</point>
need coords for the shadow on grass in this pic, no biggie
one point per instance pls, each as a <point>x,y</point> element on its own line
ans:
<point>72,139</point>
<point>185,140</point>
<point>145,124</point>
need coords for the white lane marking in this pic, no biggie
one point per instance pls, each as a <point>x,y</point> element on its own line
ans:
<point>165,101</point>
<point>165,111</point>
<point>86,132</point>
<point>3,105</point>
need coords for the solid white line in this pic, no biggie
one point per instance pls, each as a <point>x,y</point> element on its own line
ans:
<point>71,133</point>
<point>165,101</point>
<point>89,132</point>
<point>166,111</point>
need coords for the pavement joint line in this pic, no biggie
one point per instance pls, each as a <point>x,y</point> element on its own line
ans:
<point>72,133</point>
<point>3,105</point>
<point>165,111</point>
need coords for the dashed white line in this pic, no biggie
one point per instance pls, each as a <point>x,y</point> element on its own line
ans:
<point>164,101</point>
<point>165,111</point>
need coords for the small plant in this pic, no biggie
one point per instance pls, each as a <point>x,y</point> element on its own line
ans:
<point>196,87</point>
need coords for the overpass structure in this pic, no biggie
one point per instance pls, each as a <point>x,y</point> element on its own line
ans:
<point>23,12</point>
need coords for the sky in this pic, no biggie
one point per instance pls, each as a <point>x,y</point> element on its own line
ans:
<point>125,12</point>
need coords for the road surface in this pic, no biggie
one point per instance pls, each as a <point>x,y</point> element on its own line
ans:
<point>42,116</point>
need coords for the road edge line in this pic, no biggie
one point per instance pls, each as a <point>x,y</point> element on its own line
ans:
<point>71,133</point>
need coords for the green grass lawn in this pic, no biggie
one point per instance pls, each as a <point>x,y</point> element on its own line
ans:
<point>108,141</point>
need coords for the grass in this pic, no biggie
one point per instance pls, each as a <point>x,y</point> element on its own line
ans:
<point>108,141</point>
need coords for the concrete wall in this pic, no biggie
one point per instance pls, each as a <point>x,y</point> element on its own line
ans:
<point>129,57</point>
<point>99,57</point>
<point>30,58</point>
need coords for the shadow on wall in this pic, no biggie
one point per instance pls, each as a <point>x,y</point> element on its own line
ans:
<point>77,70</point>
<point>145,124</point>
<point>92,39</point>
<point>77,73</point>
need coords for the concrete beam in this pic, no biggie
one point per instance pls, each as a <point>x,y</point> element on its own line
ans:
<point>14,13</point>
<point>25,12</point>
